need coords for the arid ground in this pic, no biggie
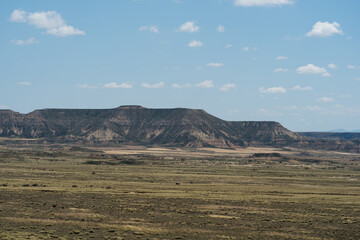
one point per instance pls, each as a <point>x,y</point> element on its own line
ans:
<point>64,192</point>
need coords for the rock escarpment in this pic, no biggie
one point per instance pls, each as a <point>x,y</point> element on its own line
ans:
<point>143,126</point>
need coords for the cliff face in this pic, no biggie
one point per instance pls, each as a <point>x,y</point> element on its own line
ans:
<point>138,125</point>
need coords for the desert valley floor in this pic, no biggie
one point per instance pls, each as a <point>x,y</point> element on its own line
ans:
<point>65,192</point>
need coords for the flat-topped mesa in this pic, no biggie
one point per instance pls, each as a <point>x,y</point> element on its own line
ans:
<point>8,112</point>
<point>133,107</point>
<point>132,124</point>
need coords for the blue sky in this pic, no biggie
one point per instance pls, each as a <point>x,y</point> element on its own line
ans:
<point>292,61</point>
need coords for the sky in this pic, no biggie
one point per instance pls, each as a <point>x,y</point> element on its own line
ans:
<point>292,61</point>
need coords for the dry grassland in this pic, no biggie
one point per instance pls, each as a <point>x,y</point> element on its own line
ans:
<point>59,192</point>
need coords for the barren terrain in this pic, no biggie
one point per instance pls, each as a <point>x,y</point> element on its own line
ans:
<point>65,192</point>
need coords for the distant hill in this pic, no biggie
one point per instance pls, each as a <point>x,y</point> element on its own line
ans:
<point>337,130</point>
<point>342,131</point>
<point>143,126</point>
<point>333,135</point>
<point>178,127</point>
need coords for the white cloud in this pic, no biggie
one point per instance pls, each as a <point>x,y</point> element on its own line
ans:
<point>25,42</point>
<point>332,66</point>
<point>268,112</point>
<point>18,16</point>
<point>24,83</point>
<point>227,87</point>
<point>187,85</point>
<point>325,29</point>
<point>281,58</point>
<point>312,69</point>
<point>87,86</point>
<point>115,85</point>
<point>64,31</point>
<point>189,27</point>
<point>47,20</point>
<point>234,110</point>
<point>325,99</point>
<point>245,49</point>
<point>291,108</point>
<point>335,110</point>
<point>313,108</point>
<point>3,107</point>
<point>150,28</point>
<point>206,84</point>
<point>228,46</point>
<point>263,110</point>
<point>215,64</point>
<point>175,68</point>
<point>272,90</point>
<point>326,74</point>
<point>50,20</point>
<point>156,85</point>
<point>281,70</point>
<point>195,43</point>
<point>350,66</point>
<point>220,28</point>
<point>262,3</point>
<point>299,88</point>
<point>343,110</point>
<point>345,95</point>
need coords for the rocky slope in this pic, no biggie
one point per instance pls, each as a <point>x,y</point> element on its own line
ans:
<point>143,126</point>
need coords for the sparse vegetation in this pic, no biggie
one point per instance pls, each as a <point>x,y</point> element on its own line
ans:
<point>178,194</point>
